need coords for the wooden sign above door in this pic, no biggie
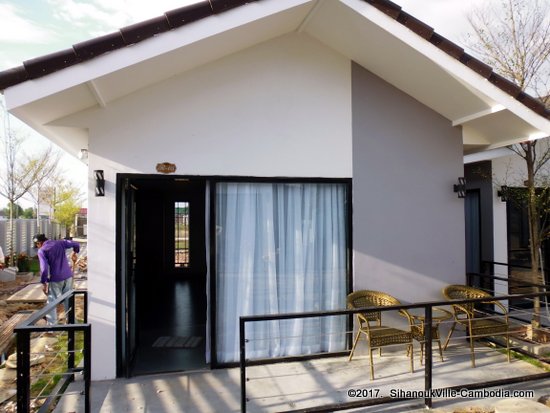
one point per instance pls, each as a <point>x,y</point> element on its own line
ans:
<point>166,168</point>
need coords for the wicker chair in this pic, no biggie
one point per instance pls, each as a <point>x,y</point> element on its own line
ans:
<point>417,330</point>
<point>478,323</point>
<point>377,335</point>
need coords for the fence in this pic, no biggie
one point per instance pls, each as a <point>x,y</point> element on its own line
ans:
<point>35,396</point>
<point>375,398</point>
<point>25,230</point>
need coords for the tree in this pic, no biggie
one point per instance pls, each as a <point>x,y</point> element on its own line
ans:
<point>64,200</point>
<point>17,210</point>
<point>515,41</point>
<point>28,213</point>
<point>37,193</point>
<point>65,213</point>
<point>19,173</point>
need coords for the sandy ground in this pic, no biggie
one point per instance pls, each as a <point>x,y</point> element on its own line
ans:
<point>7,379</point>
<point>8,288</point>
<point>38,344</point>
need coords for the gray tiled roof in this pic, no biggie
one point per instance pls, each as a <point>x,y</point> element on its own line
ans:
<point>43,65</point>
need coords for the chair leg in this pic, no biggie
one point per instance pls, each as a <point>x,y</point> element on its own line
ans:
<point>449,336</point>
<point>371,364</point>
<point>508,346</point>
<point>472,355</point>
<point>440,349</point>
<point>354,345</point>
<point>412,356</point>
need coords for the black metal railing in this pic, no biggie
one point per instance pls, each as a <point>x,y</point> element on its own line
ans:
<point>488,267</point>
<point>513,284</point>
<point>24,330</point>
<point>428,365</point>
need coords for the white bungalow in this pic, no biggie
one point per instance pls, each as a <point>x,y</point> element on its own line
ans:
<point>313,145</point>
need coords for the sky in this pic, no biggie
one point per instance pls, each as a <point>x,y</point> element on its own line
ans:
<point>32,28</point>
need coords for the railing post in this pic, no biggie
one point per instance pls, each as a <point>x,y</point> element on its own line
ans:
<point>71,334</point>
<point>85,298</point>
<point>23,371</point>
<point>242,345</point>
<point>87,366</point>
<point>428,355</point>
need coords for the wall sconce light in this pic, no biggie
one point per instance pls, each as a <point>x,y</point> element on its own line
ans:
<point>460,188</point>
<point>503,193</point>
<point>99,182</point>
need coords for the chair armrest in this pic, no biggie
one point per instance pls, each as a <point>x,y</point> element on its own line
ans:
<point>499,305</point>
<point>405,313</point>
<point>460,309</point>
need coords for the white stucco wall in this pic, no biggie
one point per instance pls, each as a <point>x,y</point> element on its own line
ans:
<point>282,108</point>
<point>408,224</point>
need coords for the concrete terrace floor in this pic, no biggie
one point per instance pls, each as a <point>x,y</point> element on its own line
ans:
<point>288,386</point>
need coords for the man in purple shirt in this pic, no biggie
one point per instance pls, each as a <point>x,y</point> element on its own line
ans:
<point>55,274</point>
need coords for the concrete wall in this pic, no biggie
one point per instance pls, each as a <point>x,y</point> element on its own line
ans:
<point>282,108</point>
<point>408,225</point>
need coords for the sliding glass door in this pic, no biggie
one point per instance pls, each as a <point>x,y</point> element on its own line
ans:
<point>280,248</point>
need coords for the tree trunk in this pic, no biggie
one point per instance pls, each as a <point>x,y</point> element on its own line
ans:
<point>534,235</point>
<point>11,238</point>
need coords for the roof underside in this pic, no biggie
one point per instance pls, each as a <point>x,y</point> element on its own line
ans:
<point>492,111</point>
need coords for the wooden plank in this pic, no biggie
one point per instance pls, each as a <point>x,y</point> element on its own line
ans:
<point>6,331</point>
<point>32,293</point>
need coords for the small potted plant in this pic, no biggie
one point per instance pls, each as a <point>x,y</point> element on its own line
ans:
<point>23,262</point>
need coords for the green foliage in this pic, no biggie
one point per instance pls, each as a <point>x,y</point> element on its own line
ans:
<point>65,212</point>
<point>34,265</point>
<point>17,210</point>
<point>28,213</point>
<point>64,199</point>
<point>23,262</point>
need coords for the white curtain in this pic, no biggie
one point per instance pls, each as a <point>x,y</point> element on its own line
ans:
<point>280,248</point>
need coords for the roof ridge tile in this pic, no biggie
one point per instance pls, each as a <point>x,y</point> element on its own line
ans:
<point>187,14</point>
<point>143,30</point>
<point>43,65</point>
<point>417,26</point>
<point>219,6</point>
<point>447,46</point>
<point>89,49</point>
<point>476,65</point>
<point>387,7</point>
<point>13,76</point>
